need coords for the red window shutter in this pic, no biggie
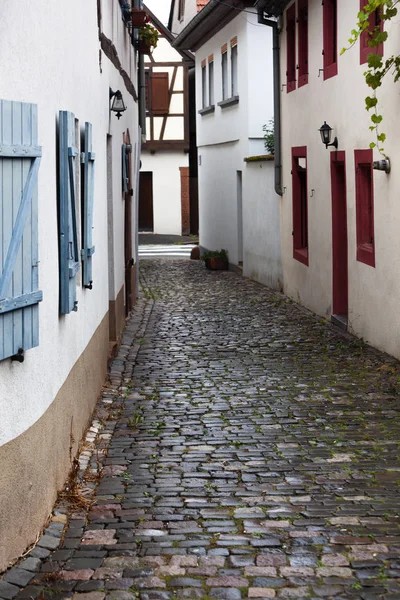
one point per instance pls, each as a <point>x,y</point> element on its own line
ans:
<point>330,38</point>
<point>291,48</point>
<point>374,21</point>
<point>147,84</point>
<point>365,207</point>
<point>300,205</point>
<point>159,93</point>
<point>302,41</point>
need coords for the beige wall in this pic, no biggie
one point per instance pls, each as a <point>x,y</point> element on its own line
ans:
<point>34,466</point>
<point>373,292</point>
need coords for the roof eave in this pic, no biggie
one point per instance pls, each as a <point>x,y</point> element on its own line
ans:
<point>273,7</point>
<point>208,22</point>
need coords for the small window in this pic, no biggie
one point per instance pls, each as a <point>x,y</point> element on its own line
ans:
<point>302,17</point>
<point>234,68</point>
<point>211,81</point>
<point>375,22</point>
<point>330,38</point>
<point>364,207</point>
<point>300,208</point>
<point>204,84</point>
<point>291,48</point>
<point>181,10</point>
<point>224,65</point>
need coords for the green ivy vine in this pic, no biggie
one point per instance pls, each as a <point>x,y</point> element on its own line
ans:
<point>377,67</point>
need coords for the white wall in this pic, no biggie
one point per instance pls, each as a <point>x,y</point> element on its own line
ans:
<point>61,74</point>
<point>189,13</point>
<point>262,242</point>
<point>166,189</point>
<point>230,134</point>
<point>373,292</point>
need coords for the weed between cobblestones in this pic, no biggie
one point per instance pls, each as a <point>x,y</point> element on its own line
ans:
<point>265,454</point>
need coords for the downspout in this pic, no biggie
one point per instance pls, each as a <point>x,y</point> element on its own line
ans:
<point>142,86</point>
<point>277,98</point>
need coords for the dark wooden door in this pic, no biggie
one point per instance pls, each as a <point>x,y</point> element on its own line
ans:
<point>129,262</point>
<point>146,201</point>
<point>339,235</point>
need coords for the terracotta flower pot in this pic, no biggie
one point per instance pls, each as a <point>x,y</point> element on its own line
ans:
<point>217,264</point>
<point>139,17</point>
<point>144,47</point>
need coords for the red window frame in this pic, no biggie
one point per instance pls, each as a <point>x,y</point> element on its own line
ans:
<point>363,160</point>
<point>330,22</point>
<point>291,48</point>
<point>302,19</point>
<point>374,21</point>
<point>300,206</point>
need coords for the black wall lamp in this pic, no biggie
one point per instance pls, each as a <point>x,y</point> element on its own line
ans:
<point>117,105</point>
<point>326,133</point>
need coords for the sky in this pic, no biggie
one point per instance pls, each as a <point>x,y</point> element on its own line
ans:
<point>160,8</point>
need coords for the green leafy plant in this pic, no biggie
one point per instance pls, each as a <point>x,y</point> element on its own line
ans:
<point>149,35</point>
<point>215,254</point>
<point>269,136</point>
<point>377,67</point>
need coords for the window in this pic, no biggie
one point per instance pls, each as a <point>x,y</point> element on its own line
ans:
<point>374,22</point>
<point>364,207</point>
<point>203,84</point>
<point>330,38</point>
<point>211,80</point>
<point>234,67</point>
<point>302,18</point>
<point>157,92</point>
<point>224,64</point>
<point>181,10</point>
<point>291,48</point>
<point>299,198</point>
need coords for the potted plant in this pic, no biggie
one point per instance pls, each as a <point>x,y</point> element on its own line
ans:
<point>216,260</point>
<point>148,38</point>
<point>139,17</point>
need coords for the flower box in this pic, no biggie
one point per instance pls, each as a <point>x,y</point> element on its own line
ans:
<point>139,18</point>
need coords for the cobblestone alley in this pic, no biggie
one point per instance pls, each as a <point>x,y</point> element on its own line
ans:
<point>243,448</point>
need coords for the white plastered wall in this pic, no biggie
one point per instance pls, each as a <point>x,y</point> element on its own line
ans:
<point>373,292</point>
<point>61,74</point>
<point>230,134</point>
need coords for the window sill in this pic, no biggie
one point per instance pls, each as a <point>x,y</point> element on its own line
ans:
<point>207,110</point>
<point>229,102</point>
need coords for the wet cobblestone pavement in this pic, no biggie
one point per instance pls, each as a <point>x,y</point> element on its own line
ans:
<point>242,449</point>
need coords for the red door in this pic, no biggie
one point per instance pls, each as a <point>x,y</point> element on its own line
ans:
<point>339,236</point>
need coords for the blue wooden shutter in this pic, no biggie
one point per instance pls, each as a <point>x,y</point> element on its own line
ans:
<point>69,253</point>
<point>88,158</point>
<point>19,166</point>
<point>124,160</point>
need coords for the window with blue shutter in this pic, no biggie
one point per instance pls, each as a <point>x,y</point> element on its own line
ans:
<point>68,231</point>
<point>88,158</point>
<point>19,167</point>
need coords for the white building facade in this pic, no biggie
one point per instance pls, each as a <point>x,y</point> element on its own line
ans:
<point>164,204</point>
<point>63,240</point>
<point>238,208</point>
<point>339,216</point>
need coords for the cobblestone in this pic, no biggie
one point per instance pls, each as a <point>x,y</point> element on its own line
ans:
<point>246,449</point>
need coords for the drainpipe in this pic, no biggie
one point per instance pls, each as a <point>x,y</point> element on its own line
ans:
<point>277,97</point>
<point>142,85</point>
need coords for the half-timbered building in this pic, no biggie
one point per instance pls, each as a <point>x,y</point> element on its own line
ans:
<point>168,177</point>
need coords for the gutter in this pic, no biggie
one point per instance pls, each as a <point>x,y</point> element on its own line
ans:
<point>277,97</point>
<point>141,85</point>
<point>224,8</point>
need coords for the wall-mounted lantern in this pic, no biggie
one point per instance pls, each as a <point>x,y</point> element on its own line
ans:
<point>117,105</point>
<point>326,134</point>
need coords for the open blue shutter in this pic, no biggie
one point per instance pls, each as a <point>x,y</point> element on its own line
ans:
<point>68,235</point>
<point>19,166</point>
<point>124,159</point>
<point>88,158</point>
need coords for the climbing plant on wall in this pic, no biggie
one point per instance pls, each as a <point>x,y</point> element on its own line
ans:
<point>378,68</point>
